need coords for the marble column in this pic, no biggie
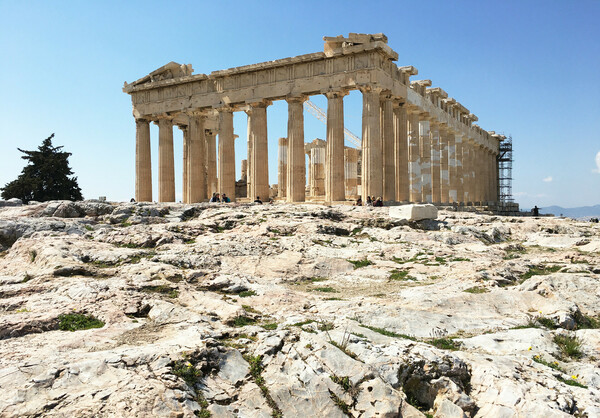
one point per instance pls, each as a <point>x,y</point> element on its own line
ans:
<point>351,171</point>
<point>444,167</point>
<point>414,156</point>
<point>260,152</point>
<point>211,162</point>
<point>166,162</point>
<point>436,193</point>
<point>334,156</point>
<point>186,149</point>
<point>425,142</point>
<point>282,167</point>
<point>317,171</point>
<point>388,148</point>
<point>226,177</point>
<point>401,153</point>
<point>143,162</point>
<point>458,161</point>
<point>466,160</point>
<point>249,156</point>
<point>479,173</point>
<point>196,159</point>
<point>372,170</point>
<point>296,162</point>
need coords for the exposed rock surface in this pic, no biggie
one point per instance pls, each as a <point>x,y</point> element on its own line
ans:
<point>296,310</point>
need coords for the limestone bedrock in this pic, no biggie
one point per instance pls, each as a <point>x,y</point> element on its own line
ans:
<point>243,310</point>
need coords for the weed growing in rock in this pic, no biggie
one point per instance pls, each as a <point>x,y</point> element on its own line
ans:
<point>444,343</point>
<point>301,324</point>
<point>476,289</point>
<point>568,345</point>
<point>571,382</point>
<point>242,321</point>
<point>587,322</point>
<point>187,371</point>
<point>343,381</point>
<point>317,279</point>
<point>326,326</point>
<point>546,322</point>
<point>26,278</point>
<point>388,333</point>
<point>400,275</point>
<point>552,364</point>
<point>360,263</point>
<point>326,289</point>
<point>459,259</point>
<point>344,407</point>
<point>333,298</point>
<point>269,327</point>
<point>250,309</point>
<point>32,255</point>
<point>256,369</point>
<point>247,293</point>
<point>76,321</point>
<point>538,271</point>
<point>203,412</point>
<point>162,289</point>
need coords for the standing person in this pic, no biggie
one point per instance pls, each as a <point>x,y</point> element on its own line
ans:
<point>535,211</point>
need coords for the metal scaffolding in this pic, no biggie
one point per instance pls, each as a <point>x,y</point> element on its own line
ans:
<point>505,161</point>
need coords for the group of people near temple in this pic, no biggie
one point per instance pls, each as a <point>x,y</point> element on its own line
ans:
<point>216,197</point>
<point>371,201</point>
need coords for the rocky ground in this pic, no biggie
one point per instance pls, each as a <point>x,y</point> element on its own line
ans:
<point>295,311</point>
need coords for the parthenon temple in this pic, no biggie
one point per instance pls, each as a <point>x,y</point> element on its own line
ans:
<point>417,145</point>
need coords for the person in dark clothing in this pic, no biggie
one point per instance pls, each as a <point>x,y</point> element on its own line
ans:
<point>378,202</point>
<point>535,211</point>
<point>258,200</point>
<point>369,201</point>
<point>214,198</point>
<point>225,199</point>
<point>358,201</point>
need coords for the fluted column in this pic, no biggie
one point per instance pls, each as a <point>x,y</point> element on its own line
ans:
<point>458,161</point>
<point>226,176</point>
<point>466,160</point>
<point>260,152</point>
<point>444,167</point>
<point>414,156</point>
<point>282,154</point>
<point>211,162</point>
<point>143,162</point>
<point>479,173</point>
<point>401,153</point>
<point>425,141</point>
<point>166,162</point>
<point>249,156</point>
<point>317,171</point>
<point>334,156</point>
<point>372,172</point>
<point>351,171</point>
<point>186,149</point>
<point>436,193</point>
<point>496,192</point>
<point>196,159</point>
<point>296,165</point>
<point>388,148</point>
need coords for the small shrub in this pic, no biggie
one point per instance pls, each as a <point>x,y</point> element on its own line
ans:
<point>88,228</point>
<point>161,289</point>
<point>326,289</point>
<point>26,278</point>
<point>546,322</point>
<point>388,333</point>
<point>247,293</point>
<point>77,321</point>
<point>317,279</point>
<point>587,322</point>
<point>187,371</point>
<point>538,271</point>
<point>32,255</point>
<point>571,382</point>
<point>344,407</point>
<point>444,343</point>
<point>476,289</point>
<point>270,327</point>
<point>343,381</point>
<point>552,364</point>
<point>569,345</point>
<point>400,275</point>
<point>242,321</point>
<point>302,323</point>
<point>326,326</point>
<point>360,263</point>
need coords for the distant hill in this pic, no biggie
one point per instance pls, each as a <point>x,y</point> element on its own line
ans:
<point>580,212</point>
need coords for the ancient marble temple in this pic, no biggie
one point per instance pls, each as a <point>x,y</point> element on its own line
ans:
<point>418,144</point>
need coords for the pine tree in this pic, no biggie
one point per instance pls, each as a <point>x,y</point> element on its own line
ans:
<point>45,177</point>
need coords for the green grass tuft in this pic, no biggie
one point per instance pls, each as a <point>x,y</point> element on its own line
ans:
<point>476,289</point>
<point>327,289</point>
<point>388,333</point>
<point>360,263</point>
<point>247,293</point>
<point>569,345</point>
<point>76,321</point>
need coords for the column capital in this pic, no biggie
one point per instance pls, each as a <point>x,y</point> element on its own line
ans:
<point>141,121</point>
<point>197,113</point>
<point>260,104</point>
<point>225,109</point>
<point>335,94</point>
<point>292,98</point>
<point>370,89</point>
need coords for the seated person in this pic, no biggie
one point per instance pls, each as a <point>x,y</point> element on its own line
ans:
<point>358,201</point>
<point>225,199</point>
<point>258,200</point>
<point>378,202</point>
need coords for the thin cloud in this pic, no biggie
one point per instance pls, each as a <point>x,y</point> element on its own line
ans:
<point>597,169</point>
<point>547,179</point>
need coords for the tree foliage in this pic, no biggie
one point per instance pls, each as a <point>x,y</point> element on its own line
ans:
<point>47,176</point>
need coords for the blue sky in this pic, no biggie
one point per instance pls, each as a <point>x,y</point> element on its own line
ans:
<point>530,69</point>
